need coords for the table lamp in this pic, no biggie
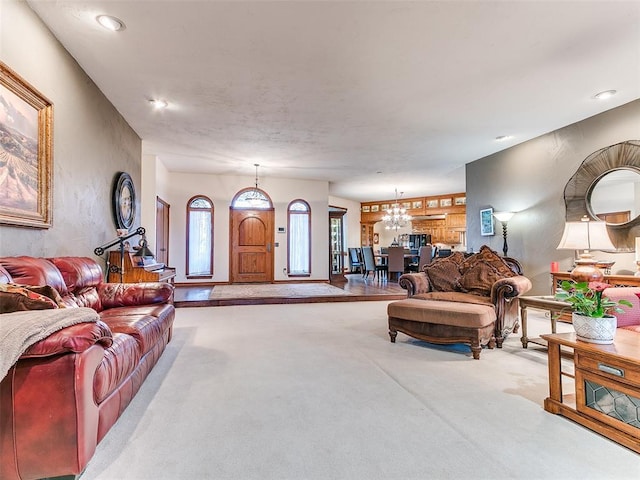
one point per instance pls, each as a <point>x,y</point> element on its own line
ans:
<point>586,235</point>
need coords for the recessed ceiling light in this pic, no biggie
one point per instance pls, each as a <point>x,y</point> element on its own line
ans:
<point>111,23</point>
<point>502,138</point>
<point>604,95</point>
<point>159,104</point>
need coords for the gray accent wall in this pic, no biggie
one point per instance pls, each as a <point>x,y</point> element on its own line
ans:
<point>91,142</point>
<point>529,179</point>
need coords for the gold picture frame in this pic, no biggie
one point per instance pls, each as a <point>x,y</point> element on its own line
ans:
<point>26,145</point>
<point>375,208</point>
<point>445,202</point>
<point>433,203</point>
<point>366,208</point>
<point>417,204</point>
<point>460,200</point>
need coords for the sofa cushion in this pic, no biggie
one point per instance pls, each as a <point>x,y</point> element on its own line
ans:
<point>443,313</point>
<point>15,298</point>
<point>145,323</point>
<point>444,273</point>
<point>481,270</point>
<point>34,271</point>
<point>454,297</point>
<point>119,361</point>
<point>78,272</point>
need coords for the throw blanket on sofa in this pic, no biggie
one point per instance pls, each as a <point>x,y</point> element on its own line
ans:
<point>20,330</point>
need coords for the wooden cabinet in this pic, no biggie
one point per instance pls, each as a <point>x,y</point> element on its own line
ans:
<point>607,385</point>
<point>134,273</point>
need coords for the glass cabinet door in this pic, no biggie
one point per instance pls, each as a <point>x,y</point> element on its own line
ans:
<point>337,262</point>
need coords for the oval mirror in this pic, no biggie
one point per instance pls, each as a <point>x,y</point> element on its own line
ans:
<point>615,197</point>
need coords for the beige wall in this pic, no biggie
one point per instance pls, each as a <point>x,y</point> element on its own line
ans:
<point>530,179</point>
<point>91,142</point>
<point>180,187</point>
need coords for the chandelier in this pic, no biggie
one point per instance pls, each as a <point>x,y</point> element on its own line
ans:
<point>396,216</point>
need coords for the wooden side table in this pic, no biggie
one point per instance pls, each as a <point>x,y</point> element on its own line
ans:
<point>548,303</point>
<point>607,385</point>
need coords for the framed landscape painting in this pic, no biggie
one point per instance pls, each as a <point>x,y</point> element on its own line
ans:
<point>26,118</point>
<point>486,222</point>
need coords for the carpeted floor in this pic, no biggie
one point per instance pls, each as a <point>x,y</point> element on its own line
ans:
<point>317,392</point>
<point>283,290</point>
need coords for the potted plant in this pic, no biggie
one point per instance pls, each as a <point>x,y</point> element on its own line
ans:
<point>592,312</point>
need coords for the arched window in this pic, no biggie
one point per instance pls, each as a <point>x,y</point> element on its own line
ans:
<point>299,245</point>
<point>252,198</point>
<point>199,237</point>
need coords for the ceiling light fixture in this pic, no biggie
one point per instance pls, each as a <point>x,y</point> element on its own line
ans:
<point>111,23</point>
<point>502,138</point>
<point>604,95</point>
<point>159,104</point>
<point>396,217</point>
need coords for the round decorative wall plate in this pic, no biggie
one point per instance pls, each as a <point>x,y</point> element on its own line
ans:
<point>124,201</point>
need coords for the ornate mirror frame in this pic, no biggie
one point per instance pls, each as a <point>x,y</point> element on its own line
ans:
<point>577,192</point>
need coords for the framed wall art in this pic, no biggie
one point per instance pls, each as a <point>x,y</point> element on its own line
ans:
<point>366,208</point>
<point>486,222</point>
<point>25,153</point>
<point>124,201</point>
<point>445,202</point>
<point>375,208</point>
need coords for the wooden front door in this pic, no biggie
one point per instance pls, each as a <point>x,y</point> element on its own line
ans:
<point>251,253</point>
<point>162,231</point>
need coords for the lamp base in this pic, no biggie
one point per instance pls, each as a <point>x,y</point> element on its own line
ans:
<point>586,270</point>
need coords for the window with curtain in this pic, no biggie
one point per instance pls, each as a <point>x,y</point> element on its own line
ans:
<point>199,237</point>
<point>299,246</point>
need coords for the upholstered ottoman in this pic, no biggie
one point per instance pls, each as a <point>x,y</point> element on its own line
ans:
<point>442,322</point>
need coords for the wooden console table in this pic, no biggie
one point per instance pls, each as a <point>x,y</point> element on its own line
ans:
<point>607,385</point>
<point>613,280</point>
<point>133,273</point>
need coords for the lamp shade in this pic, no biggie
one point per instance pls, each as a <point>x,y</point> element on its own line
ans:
<point>585,235</point>
<point>504,216</point>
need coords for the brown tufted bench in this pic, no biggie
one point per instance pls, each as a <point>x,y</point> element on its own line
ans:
<point>444,322</point>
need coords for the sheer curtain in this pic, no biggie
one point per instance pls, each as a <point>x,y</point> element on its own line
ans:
<point>299,244</point>
<point>199,243</point>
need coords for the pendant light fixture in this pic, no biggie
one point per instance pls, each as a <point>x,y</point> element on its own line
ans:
<point>396,216</point>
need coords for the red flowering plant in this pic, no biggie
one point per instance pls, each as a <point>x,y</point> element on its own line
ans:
<point>586,298</point>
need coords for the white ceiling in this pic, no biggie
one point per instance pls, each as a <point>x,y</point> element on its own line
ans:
<point>369,96</point>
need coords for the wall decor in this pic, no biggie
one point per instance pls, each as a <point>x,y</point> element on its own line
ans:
<point>375,208</point>
<point>460,200</point>
<point>365,208</point>
<point>384,207</point>
<point>417,204</point>
<point>486,222</point>
<point>25,153</point>
<point>433,203</point>
<point>124,200</point>
<point>445,202</point>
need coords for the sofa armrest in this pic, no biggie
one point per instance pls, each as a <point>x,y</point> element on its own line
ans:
<point>511,287</point>
<point>414,283</point>
<point>130,294</point>
<point>75,339</point>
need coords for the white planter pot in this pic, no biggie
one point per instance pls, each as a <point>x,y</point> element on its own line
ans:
<point>595,330</point>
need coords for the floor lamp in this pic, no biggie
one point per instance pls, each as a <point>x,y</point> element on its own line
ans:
<point>504,218</point>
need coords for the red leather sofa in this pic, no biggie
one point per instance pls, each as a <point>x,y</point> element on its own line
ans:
<point>65,392</point>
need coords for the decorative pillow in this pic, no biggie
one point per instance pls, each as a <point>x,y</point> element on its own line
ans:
<point>488,256</point>
<point>629,316</point>
<point>481,270</point>
<point>444,273</point>
<point>15,298</point>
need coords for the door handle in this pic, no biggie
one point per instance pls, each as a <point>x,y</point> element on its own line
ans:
<point>269,247</point>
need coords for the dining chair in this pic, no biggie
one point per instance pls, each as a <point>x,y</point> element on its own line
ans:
<point>426,255</point>
<point>355,262</point>
<point>370,264</point>
<point>395,263</point>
